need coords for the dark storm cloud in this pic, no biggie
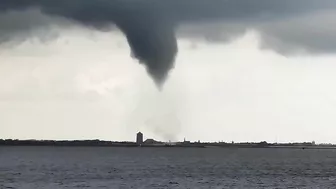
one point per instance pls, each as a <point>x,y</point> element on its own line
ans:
<point>150,25</point>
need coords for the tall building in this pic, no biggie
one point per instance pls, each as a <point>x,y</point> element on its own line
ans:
<point>139,138</point>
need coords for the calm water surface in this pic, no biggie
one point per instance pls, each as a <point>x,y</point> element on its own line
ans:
<point>161,168</point>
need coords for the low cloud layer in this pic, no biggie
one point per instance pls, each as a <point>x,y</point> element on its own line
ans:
<point>288,27</point>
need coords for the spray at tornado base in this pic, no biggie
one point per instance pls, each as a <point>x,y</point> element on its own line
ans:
<point>150,25</point>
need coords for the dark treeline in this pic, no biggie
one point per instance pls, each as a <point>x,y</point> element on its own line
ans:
<point>10,142</point>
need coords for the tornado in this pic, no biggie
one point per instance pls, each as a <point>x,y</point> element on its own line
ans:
<point>150,25</point>
<point>153,42</point>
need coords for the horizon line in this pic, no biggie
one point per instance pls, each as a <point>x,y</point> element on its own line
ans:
<point>195,141</point>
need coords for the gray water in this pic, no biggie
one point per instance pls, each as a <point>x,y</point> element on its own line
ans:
<point>160,168</point>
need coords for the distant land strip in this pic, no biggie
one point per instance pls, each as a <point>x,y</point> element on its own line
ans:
<point>153,143</point>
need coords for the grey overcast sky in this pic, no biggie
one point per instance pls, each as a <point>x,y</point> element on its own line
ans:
<point>244,72</point>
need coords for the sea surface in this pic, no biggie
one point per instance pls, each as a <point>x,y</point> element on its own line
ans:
<point>161,168</point>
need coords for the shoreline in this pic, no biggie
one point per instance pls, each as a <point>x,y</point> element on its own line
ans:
<point>181,146</point>
<point>158,144</point>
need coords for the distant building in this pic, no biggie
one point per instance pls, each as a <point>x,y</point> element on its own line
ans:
<point>139,138</point>
<point>186,141</point>
<point>150,141</point>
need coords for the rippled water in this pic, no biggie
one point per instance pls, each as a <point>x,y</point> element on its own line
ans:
<point>85,167</point>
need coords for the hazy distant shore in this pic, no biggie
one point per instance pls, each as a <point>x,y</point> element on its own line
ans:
<point>99,143</point>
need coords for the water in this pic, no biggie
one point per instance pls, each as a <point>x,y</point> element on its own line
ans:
<point>161,168</point>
